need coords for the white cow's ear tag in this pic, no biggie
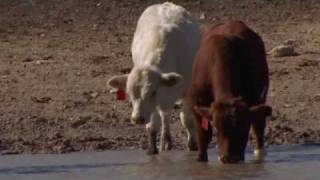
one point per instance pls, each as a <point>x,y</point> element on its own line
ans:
<point>121,95</point>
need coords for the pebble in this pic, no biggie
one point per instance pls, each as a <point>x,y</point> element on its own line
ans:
<point>28,59</point>
<point>282,51</point>
<point>10,152</point>
<point>81,121</point>
<point>288,105</point>
<point>202,16</point>
<point>41,99</point>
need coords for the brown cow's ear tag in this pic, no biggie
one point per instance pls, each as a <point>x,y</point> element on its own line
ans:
<point>205,123</point>
<point>121,95</point>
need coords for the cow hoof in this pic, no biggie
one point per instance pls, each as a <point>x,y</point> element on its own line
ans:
<point>192,145</point>
<point>260,154</point>
<point>166,147</point>
<point>152,151</point>
<point>165,143</point>
<point>202,159</point>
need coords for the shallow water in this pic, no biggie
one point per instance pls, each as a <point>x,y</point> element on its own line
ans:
<point>294,162</point>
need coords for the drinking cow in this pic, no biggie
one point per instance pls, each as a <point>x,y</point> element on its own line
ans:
<point>164,45</point>
<point>229,87</point>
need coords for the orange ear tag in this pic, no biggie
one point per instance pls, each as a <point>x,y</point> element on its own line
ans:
<point>121,95</point>
<point>205,123</point>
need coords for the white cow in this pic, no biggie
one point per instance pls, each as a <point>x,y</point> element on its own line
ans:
<point>164,45</point>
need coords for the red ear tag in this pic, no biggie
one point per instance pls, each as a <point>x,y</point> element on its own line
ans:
<point>205,123</point>
<point>121,95</point>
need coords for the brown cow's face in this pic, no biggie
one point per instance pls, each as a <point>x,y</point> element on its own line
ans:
<point>232,122</point>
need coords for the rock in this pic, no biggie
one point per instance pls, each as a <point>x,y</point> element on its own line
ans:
<point>39,62</point>
<point>317,97</point>
<point>310,31</point>
<point>113,90</point>
<point>202,16</point>
<point>68,20</point>
<point>282,51</point>
<point>95,26</point>
<point>288,105</point>
<point>81,121</point>
<point>10,152</point>
<point>41,99</point>
<point>94,94</point>
<point>48,57</point>
<point>28,59</point>
<point>55,135</point>
<point>90,94</point>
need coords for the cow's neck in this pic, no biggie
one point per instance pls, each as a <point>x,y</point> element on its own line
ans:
<point>222,80</point>
<point>153,60</point>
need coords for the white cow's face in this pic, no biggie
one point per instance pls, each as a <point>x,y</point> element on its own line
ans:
<point>143,85</point>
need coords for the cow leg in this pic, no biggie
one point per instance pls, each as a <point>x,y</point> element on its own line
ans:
<point>152,130</point>
<point>165,138</point>
<point>204,138</point>
<point>187,121</point>
<point>258,126</point>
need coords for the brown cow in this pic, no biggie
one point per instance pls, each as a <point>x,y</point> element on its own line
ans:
<point>229,86</point>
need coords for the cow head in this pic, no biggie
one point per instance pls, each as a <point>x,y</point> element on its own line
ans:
<point>142,86</point>
<point>232,119</point>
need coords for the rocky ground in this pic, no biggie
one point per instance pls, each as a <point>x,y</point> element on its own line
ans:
<point>56,56</point>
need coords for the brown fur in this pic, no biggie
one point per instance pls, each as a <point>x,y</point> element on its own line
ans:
<point>230,76</point>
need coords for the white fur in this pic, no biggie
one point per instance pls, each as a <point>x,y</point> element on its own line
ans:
<point>164,45</point>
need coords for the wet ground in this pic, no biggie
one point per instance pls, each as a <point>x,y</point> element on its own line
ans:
<point>291,162</point>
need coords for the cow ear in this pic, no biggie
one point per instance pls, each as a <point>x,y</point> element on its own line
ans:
<point>261,110</point>
<point>118,82</point>
<point>202,111</point>
<point>170,79</point>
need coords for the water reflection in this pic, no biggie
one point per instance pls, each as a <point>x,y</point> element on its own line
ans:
<point>295,162</point>
<point>180,165</point>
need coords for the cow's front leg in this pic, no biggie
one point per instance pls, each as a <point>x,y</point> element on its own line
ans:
<point>204,138</point>
<point>152,130</point>
<point>165,138</point>
<point>187,121</point>
<point>258,126</point>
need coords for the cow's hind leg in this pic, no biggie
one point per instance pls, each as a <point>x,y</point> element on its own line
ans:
<point>187,121</point>
<point>258,126</point>
<point>152,130</point>
<point>165,138</point>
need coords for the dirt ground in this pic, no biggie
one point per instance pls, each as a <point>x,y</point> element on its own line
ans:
<point>56,56</point>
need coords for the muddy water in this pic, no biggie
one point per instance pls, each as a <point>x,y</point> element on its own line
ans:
<point>294,162</point>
